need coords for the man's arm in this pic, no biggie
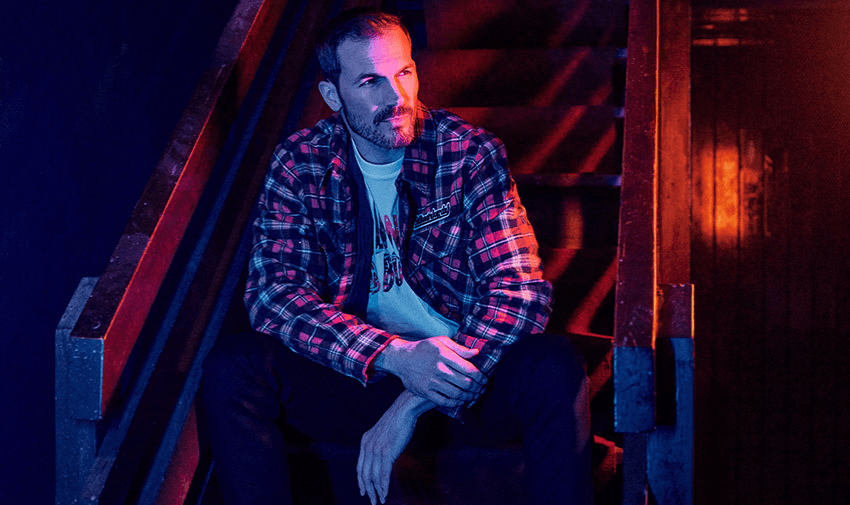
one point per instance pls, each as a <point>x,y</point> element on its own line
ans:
<point>435,372</point>
<point>381,446</point>
<point>436,369</point>
<point>502,258</point>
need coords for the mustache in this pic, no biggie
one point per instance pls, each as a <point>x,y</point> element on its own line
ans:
<point>392,111</point>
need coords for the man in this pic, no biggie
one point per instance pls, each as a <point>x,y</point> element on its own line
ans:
<point>392,252</point>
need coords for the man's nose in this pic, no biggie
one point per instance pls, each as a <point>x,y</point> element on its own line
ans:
<point>394,93</point>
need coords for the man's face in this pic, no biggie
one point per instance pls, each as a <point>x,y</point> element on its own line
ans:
<point>378,89</point>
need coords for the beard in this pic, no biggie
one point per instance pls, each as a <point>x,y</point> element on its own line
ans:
<point>396,137</point>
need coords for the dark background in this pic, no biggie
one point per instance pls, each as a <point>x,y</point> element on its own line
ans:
<point>89,94</point>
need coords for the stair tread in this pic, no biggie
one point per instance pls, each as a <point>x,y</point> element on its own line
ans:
<point>514,23</point>
<point>583,281</point>
<point>531,77</point>
<point>555,140</point>
<point>569,180</point>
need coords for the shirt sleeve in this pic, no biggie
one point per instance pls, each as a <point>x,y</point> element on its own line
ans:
<point>513,298</point>
<point>287,293</point>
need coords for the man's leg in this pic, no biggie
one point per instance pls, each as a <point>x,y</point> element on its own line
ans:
<point>251,383</point>
<point>539,391</point>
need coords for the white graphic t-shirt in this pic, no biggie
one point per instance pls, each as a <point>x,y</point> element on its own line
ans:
<point>393,306</point>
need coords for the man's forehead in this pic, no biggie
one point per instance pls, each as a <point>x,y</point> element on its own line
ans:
<point>388,49</point>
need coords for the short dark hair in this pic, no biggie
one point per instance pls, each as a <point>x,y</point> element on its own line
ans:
<point>353,24</point>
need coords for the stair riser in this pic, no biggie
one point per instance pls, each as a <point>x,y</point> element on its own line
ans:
<point>517,77</point>
<point>514,23</point>
<point>554,140</point>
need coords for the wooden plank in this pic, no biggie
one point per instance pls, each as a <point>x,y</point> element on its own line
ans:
<point>829,349</point>
<point>181,469</point>
<point>778,236</point>
<point>727,221</point>
<point>674,136</point>
<point>634,330</point>
<point>637,242</point>
<point>841,419</point>
<point>702,250</point>
<point>750,366</point>
<point>829,353</point>
<point>800,360</point>
<point>76,440</point>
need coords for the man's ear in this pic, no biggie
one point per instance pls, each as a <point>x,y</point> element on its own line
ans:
<point>330,94</point>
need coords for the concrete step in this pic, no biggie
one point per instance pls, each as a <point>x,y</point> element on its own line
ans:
<point>555,140</point>
<point>555,77</point>
<point>460,24</point>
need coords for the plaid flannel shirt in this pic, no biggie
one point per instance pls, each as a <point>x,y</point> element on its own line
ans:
<point>469,250</point>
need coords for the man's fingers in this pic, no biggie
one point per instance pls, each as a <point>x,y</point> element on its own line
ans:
<point>466,369</point>
<point>385,481</point>
<point>463,382</point>
<point>360,471</point>
<point>461,365</point>
<point>365,462</point>
<point>460,380</point>
<point>461,350</point>
<point>442,400</point>
<point>449,391</point>
<point>375,475</point>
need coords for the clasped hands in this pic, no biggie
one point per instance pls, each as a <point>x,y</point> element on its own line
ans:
<point>435,372</point>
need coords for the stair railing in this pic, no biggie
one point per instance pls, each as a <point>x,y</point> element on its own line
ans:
<point>130,347</point>
<point>653,339</point>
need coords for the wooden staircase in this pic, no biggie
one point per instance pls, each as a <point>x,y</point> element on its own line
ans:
<point>548,78</point>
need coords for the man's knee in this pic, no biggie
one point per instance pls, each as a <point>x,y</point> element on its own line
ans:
<point>235,361</point>
<point>550,362</point>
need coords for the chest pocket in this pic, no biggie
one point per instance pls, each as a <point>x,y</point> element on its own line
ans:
<point>432,242</point>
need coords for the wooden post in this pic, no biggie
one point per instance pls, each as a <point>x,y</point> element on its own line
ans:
<point>654,297</point>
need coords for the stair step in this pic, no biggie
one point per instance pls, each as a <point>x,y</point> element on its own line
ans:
<point>468,475</point>
<point>460,24</point>
<point>583,280</point>
<point>554,77</point>
<point>564,181</point>
<point>572,217</point>
<point>555,140</point>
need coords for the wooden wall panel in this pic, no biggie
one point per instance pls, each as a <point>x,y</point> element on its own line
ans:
<point>749,289</point>
<point>771,270</point>
<point>702,242</point>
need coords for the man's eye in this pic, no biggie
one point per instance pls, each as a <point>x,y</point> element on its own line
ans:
<point>368,82</point>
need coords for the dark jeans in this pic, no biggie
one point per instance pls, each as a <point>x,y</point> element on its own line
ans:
<point>537,394</point>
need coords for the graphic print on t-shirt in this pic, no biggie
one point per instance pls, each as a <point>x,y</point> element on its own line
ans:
<point>387,245</point>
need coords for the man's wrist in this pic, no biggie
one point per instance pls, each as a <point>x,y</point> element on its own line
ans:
<point>387,359</point>
<point>413,404</point>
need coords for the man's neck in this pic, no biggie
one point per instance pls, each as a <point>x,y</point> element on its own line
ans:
<point>372,153</point>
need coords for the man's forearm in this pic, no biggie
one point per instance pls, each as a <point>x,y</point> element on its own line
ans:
<point>413,404</point>
<point>435,368</point>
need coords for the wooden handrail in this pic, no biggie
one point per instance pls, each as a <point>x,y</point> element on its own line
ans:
<point>635,313</point>
<point>124,294</point>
